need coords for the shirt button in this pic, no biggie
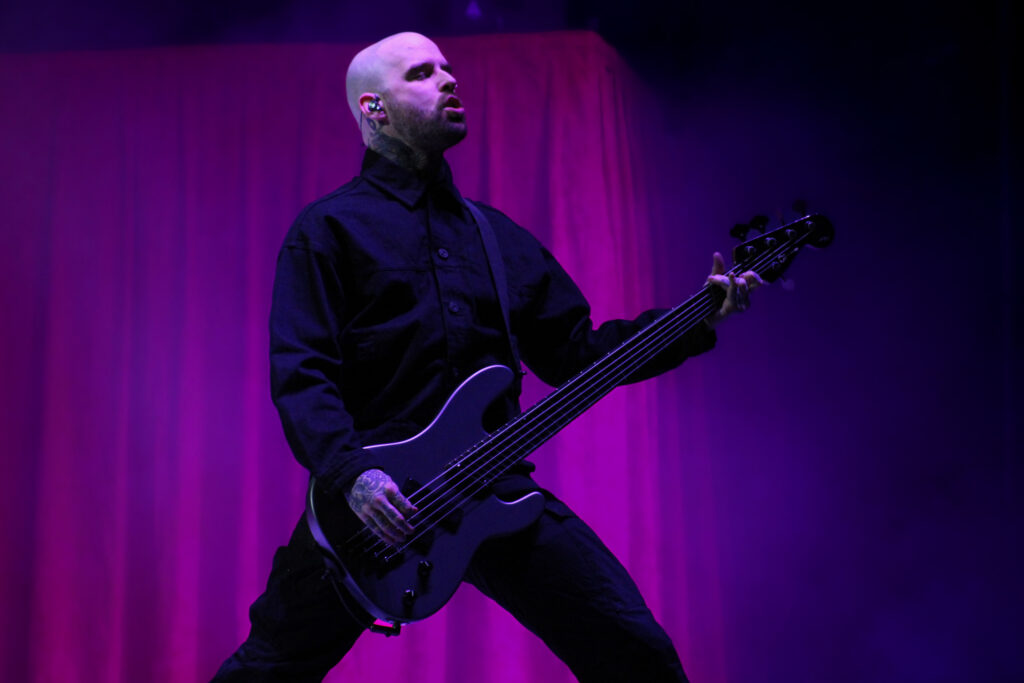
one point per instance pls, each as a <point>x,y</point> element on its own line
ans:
<point>443,253</point>
<point>453,307</point>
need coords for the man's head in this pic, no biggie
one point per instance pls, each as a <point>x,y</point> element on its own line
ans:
<point>402,87</point>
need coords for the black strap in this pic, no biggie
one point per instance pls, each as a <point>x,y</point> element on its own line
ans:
<point>497,267</point>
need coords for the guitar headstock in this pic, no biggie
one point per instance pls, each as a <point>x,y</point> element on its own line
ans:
<point>770,254</point>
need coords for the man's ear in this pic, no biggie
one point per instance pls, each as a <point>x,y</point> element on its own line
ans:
<point>372,108</point>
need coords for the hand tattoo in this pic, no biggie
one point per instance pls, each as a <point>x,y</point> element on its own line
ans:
<point>381,506</point>
<point>367,485</point>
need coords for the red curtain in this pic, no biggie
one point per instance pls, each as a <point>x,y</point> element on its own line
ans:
<point>147,482</point>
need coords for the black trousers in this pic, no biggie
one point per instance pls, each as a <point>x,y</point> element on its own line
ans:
<point>556,577</point>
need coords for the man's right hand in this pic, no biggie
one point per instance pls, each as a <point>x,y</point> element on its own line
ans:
<point>376,500</point>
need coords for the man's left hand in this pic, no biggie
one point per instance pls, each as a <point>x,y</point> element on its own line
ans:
<point>737,290</point>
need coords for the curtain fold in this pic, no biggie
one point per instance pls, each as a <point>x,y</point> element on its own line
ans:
<point>147,481</point>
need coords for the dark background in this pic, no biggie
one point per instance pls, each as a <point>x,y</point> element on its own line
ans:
<point>896,515</point>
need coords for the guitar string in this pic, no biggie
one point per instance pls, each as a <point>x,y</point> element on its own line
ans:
<point>453,494</point>
<point>618,369</point>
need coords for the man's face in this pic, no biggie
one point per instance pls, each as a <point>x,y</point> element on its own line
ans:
<point>419,96</point>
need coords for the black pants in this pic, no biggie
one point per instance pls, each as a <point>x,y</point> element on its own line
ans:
<point>556,577</point>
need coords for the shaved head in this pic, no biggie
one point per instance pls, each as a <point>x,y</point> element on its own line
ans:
<point>401,92</point>
<point>370,69</point>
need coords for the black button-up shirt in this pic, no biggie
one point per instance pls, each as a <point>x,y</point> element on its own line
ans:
<point>383,301</point>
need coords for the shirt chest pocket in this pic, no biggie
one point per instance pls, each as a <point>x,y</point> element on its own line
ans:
<point>388,297</point>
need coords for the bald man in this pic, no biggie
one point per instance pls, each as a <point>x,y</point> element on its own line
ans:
<point>383,303</point>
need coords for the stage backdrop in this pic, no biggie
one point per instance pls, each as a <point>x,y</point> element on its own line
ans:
<point>147,482</point>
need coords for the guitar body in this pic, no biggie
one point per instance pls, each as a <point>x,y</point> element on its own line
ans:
<point>423,577</point>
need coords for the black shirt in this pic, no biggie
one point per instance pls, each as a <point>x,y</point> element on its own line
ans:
<point>383,302</point>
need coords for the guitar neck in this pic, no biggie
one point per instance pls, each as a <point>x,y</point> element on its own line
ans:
<point>769,255</point>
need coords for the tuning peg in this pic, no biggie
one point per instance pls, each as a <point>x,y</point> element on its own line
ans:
<point>739,231</point>
<point>800,206</point>
<point>759,223</point>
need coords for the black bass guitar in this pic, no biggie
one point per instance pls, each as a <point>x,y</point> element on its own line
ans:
<point>445,470</point>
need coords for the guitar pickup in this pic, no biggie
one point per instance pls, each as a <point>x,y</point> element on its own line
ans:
<point>452,520</point>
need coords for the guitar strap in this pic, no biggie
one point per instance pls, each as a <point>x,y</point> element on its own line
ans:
<point>497,268</point>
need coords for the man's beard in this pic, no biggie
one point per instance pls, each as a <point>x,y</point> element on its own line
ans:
<point>427,133</point>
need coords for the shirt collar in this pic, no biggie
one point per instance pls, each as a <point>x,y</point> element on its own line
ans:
<point>405,185</point>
